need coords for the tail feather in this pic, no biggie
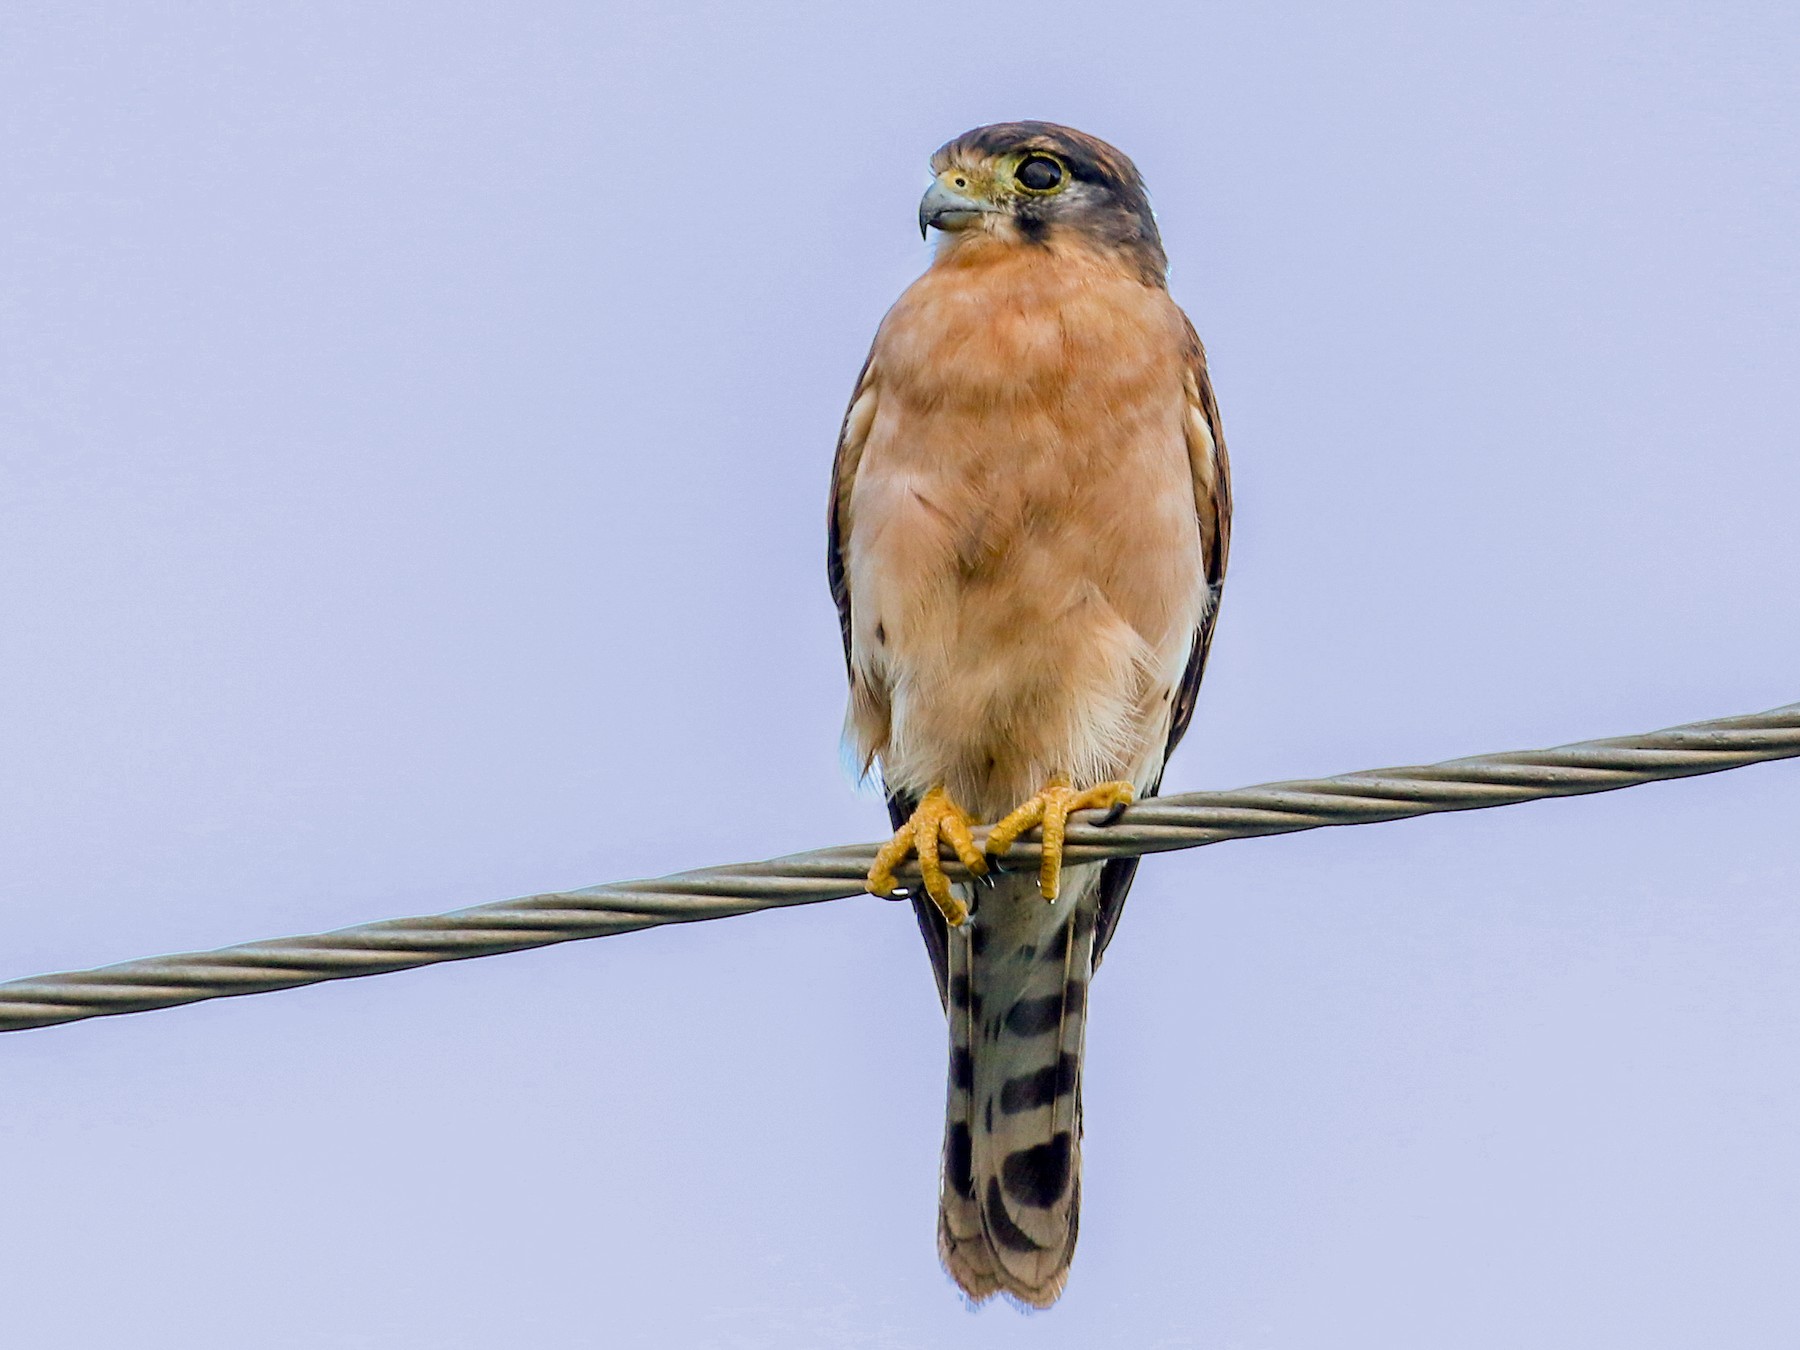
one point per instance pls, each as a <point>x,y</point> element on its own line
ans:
<point>1017,1001</point>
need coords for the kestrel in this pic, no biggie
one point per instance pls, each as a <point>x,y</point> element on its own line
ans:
<point>1029,518</point>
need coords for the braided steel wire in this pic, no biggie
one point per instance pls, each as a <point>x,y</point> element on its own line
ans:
<point>1157,825</point>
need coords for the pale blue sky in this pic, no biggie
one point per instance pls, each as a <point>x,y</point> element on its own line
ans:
<point>414,426</point>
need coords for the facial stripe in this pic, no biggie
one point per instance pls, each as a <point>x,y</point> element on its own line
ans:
<point>1105,203</point>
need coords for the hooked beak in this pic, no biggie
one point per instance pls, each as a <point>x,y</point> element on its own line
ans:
<point>945,208</point>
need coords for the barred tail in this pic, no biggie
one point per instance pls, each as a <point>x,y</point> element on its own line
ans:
<point>1017,1000</point>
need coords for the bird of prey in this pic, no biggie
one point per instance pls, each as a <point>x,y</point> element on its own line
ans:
<point>1029,518</point>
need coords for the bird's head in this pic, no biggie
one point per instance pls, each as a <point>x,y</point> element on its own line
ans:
<point>1039,184</point>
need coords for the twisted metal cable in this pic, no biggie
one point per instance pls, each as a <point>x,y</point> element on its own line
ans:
<point>1155,826</point>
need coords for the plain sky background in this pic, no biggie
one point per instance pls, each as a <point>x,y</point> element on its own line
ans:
<point>414,430</point>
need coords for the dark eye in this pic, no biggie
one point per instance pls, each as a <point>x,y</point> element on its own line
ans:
<point>1040,173</point>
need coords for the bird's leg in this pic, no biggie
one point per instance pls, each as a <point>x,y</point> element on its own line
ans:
<point>1050,809</point>
<point>937,818</point>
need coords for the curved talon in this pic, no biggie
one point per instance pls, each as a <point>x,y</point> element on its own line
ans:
<point>1050,810</point>
<point>937,819</point>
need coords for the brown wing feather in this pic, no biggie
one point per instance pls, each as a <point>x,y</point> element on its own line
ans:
<point>852,432</point>
<point>1212,504</point>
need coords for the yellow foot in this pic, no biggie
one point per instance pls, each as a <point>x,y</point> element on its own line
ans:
<point>1050,809</point>
<point>937,818</point>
